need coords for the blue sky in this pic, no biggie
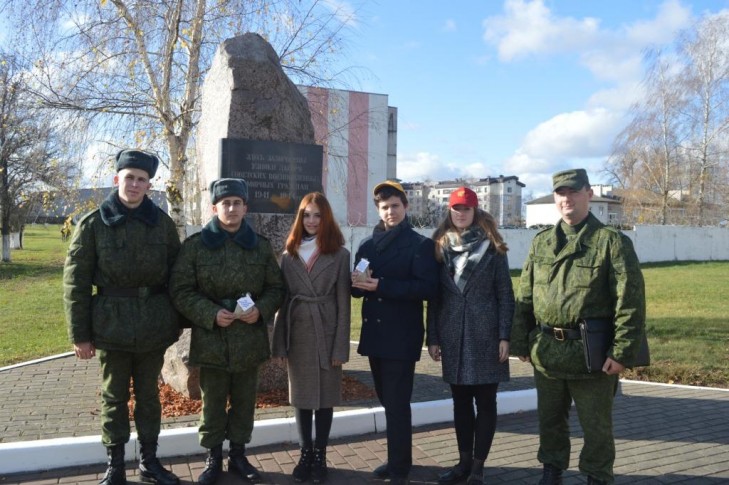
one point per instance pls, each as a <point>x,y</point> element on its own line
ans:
<point>512,87</point>
<point>509,87</point>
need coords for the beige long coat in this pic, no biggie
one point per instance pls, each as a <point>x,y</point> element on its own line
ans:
<point>312,328</point>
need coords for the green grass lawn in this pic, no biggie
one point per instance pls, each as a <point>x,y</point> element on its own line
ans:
<point>688,326</point>
<point>31,320</point>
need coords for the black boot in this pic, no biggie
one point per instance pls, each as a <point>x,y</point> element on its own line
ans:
<point>302,471</point>
<point>458,472</point>
<point>551,475</point>
<point>319,470</point>
<point>476,476</point>
<point>151,470</point>
<point>115,474</point>
<point>238,463</point>
<point>213,466</point>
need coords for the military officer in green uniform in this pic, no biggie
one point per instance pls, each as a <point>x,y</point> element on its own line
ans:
<point>580,269</point>
<point>126,249</point>
<point>227,260</point>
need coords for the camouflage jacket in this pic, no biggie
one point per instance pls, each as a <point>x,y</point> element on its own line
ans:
<point>596,275</point>
<point>112,250</point>
<point>212,272</point>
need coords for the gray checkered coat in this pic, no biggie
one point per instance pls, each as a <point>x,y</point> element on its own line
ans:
<point>468,325</point>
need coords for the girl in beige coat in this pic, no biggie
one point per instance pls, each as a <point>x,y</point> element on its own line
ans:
<point>312,328</point>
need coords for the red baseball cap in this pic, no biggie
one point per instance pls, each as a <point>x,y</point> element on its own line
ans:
<point>463,196</point>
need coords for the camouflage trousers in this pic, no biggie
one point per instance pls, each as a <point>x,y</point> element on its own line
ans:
<point>217,421</point>
<point>593,400</point>
<point>118,370</point>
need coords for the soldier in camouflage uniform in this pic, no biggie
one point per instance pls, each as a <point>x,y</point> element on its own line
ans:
<point>217,266</point>
<point>580,269</point>
<point>126,249</point>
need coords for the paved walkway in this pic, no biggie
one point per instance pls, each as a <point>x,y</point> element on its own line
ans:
<point>664,434</point>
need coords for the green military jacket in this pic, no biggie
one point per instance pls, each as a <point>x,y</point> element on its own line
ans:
<point>596,275</point>
<point>212,272</point>
<point>110,249</point>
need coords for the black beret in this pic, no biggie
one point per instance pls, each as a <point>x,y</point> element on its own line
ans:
<point>574,178</point>
<point>137,159</point>
<point>222,188</point>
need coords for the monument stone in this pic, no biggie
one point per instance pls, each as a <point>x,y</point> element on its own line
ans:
<point>255,125</point>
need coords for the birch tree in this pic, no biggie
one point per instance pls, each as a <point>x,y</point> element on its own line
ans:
<point>136,66</point>
<point>647,153</point>
<point>30,158</point>
<point>706,79</point>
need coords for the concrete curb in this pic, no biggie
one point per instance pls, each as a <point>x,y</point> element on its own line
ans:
<point>26,456</point>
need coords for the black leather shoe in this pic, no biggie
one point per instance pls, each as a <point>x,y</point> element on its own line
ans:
<point>381,472</point>
<point>455,474</point>
<point>551,475</point>
<point>151,470</point>
<point>115,474</point>
<point>239,464</point>
<point>302,471</point>
<point>319,470</point>
<point>213,466</point>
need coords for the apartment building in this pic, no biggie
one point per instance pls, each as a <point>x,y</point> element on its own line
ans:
<point>500,196</point>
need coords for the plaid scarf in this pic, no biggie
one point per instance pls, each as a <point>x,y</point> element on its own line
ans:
<point>463,252</point>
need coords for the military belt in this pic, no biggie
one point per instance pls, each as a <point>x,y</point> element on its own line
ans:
<point>561,333</point>
<point>140,292</point>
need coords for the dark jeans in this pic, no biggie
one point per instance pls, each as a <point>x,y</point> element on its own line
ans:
<point>394,387</point>
<point>478,426</point>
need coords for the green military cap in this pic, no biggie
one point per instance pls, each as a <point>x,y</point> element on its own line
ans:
<point>222,188</point>
<point>575,178</point>
<point>137,159</point>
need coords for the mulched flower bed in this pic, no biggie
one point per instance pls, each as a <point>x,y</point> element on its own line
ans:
<point>175,404</point>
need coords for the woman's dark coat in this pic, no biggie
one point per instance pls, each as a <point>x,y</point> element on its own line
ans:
<point>468,325</point>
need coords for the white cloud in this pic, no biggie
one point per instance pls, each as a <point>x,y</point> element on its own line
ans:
<point>450,26</point>
<point>531,28</point>
<point>613,56</point>
<point>575,134</point>
<point>425,166</point>
<point>344,11</point>
<point>671,17</point>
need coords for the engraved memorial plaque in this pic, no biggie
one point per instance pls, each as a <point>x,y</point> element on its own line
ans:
<point>278,174</point>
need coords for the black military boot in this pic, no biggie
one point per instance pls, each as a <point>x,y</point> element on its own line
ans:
<point>595,481</point>
<point>115,474</point>
<point>238,463</point>
<point>150,469</point>
<point>458,472</point>
<point>302,471</point>
<point>319,470</point>
<point>476,476</point>
<point>551,475</point>
<point>213,466</point>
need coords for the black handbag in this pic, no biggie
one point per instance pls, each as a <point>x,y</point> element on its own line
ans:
<point>597,337</point>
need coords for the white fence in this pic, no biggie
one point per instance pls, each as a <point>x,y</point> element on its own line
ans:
<point>652,243</point>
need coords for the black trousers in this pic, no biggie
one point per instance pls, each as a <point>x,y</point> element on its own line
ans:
<point>478,427</point>
<point>394,387</point>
